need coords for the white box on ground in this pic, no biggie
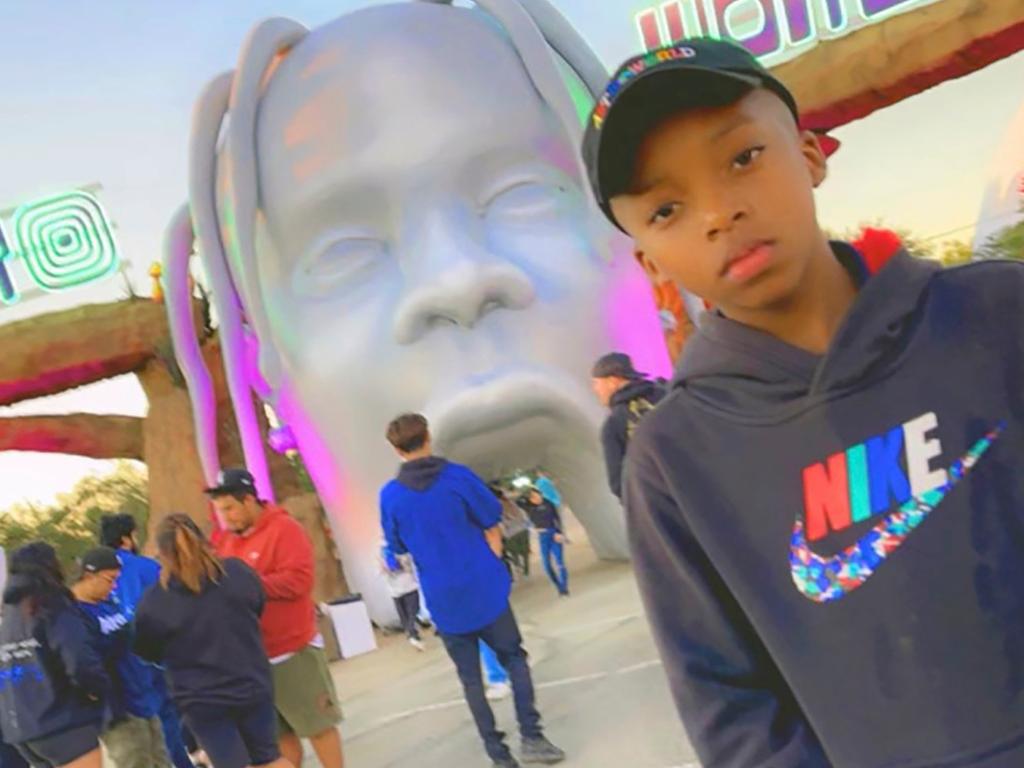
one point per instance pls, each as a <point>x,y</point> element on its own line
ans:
<point>352,626</point>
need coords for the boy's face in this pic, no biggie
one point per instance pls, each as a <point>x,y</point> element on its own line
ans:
<point>722,202</point>
<point>99,585</point>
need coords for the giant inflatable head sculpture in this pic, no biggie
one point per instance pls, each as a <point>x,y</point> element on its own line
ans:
<point>392,217</point>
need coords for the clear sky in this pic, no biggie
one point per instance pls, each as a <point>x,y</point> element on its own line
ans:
<point>103,92</point>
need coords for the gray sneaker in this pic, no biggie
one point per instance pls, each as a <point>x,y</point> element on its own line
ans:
<point>506,762</point>
<point>540,750</point>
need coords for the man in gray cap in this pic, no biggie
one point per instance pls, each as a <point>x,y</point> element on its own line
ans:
<point>629,395</point>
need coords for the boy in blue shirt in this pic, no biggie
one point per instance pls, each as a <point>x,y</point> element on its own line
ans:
<point>826,510</point>
<point>449,521</point>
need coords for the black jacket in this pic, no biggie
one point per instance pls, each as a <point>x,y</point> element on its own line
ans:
<point>543,516</point>
<point>831,548</point>
<point>51,678</point>
<point>628,406</point>
<point>209,643</point>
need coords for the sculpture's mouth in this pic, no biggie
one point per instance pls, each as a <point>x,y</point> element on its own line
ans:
<point>515,421</point>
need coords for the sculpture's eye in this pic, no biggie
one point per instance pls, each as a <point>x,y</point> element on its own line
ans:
<point>525,200</point>
<point>339,262</point>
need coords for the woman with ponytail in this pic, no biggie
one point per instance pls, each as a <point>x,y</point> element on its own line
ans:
<point>52,680</point>
<point>201,622</point>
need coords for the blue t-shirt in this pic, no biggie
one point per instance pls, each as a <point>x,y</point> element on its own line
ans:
<point>438,515</point>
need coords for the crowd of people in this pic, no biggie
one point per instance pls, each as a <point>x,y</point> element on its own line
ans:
<point>210,655</point>
<point>214,647</point>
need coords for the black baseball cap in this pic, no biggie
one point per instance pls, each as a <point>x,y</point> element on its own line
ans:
<point>617,364</point>
<point>230,481</point>
<point>100,559</point>
<point>693,73</point>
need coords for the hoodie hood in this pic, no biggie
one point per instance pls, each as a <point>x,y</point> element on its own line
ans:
<point>750,375</point>
<point>421,474</point>
<point>633,390</point>
<point>19,586</point>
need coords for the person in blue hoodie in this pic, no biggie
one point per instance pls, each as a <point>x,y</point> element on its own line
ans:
<point>138,573</point>
<point>449,521</point>
<point>53,684</point>
<point>827,511</point>
<point>132,735</point>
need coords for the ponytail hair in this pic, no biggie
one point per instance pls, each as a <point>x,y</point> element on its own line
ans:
<point>185,554</point>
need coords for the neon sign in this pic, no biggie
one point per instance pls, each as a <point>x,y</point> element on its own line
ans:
<point>63,241</point>
<point>773,30</point>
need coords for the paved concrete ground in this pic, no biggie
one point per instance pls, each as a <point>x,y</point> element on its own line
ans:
<point>600,686</point>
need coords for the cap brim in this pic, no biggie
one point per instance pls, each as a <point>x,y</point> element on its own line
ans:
<point>648,100</point>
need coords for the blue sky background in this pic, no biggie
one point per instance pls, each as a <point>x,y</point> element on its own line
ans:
<point>103,92</point>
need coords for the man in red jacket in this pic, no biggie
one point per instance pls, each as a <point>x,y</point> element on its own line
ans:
<point>278,549</point>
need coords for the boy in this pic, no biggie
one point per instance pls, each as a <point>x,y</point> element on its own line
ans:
<point>825,512</point>
<point>449,521</point>
<point>133,733</point>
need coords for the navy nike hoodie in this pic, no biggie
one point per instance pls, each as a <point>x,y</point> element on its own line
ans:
<point>831,548</point>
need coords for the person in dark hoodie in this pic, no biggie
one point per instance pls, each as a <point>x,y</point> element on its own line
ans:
<point>9,756</point>
<point>826,511</point>
<point>449,521</point>
<point>132,734</point>
<point>53,684</point>
<point>202,622</point>
<point>629,395</point>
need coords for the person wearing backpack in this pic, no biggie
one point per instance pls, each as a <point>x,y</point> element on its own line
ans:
<point>629,395</point>
<point>55,685</point>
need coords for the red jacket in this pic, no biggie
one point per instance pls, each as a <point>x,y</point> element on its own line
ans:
<point>279,550</point>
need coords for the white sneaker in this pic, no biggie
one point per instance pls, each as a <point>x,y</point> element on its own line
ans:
<point>498,691</point>
<point>416,643</point>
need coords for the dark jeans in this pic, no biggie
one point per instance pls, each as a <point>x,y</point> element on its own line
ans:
<point>408,606</point>
<point>504,638</point>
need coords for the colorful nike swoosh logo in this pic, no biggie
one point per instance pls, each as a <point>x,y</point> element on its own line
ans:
<point>824,579</point>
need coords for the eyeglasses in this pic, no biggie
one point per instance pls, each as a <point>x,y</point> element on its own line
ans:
<point>110,577</point>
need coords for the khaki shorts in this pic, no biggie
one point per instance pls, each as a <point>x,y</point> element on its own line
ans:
<point>136,743</point>
<point>304,695</point>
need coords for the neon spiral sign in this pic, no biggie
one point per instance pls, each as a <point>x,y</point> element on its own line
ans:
<point>63,241</point>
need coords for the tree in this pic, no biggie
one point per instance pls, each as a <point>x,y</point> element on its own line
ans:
<point>71,525</point>
<point>1008,243</point>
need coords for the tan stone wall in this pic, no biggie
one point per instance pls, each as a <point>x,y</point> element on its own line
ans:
<point>330,582</point>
